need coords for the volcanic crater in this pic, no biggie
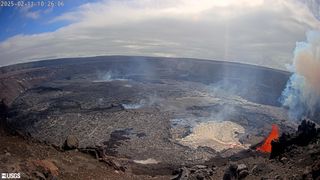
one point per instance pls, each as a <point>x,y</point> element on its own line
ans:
<point>164,112</point>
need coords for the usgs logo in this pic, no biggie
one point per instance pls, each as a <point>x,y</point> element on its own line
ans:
<point>10,175</point>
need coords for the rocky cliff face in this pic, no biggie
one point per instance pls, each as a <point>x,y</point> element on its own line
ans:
<point>12,84</point>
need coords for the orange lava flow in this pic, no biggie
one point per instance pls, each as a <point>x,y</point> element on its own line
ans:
<point>274,134</point>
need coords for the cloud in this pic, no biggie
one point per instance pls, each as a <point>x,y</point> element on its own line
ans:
<point>260,32</point>
<point>314,7</point>
<point>27,12</point>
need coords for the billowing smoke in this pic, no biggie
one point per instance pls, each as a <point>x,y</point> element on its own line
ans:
<point>302,93</point>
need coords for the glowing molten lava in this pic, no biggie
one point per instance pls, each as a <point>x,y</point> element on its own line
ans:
<point>274,134</point>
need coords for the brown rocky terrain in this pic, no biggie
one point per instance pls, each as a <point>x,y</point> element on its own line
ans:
<point>41,161</point>
<point>35,160</point>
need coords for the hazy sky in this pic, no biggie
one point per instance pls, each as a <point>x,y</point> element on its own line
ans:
<point>260,32</point>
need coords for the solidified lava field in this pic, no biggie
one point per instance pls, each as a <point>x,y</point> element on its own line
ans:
<point>161,112</point>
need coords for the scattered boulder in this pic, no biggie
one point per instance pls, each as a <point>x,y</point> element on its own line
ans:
<point>235,172</point>
<point>242,167</point>
<point>283,159</point>
<point>243,174</point>
<point>183,174</point>
<point>242,171</point>
<point>71,142</point>
<point>199,172</point>
<point>231,173</point>
<point>260,168</point>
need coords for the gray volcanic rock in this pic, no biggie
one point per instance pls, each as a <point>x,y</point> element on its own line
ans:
<point>235,172</point>
<point>195,172</point>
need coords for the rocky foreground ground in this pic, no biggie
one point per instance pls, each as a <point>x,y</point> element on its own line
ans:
<point>291,158</point>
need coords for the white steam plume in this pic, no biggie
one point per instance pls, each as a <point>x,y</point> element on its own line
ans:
<point>302,94</point>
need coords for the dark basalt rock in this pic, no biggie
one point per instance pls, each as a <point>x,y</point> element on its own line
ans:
<point>3,109</point>
<point>231,173</point>
<point>198,172</point>
<point>235,172</point>
<point>3,115</point>
<point>306,133</point>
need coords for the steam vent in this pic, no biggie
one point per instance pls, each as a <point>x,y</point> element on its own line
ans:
<point>153,115</point>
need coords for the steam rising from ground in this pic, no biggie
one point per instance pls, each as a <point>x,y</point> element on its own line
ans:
<point>108,76</point>
<point>149,100</point>
<point>302,94</point>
